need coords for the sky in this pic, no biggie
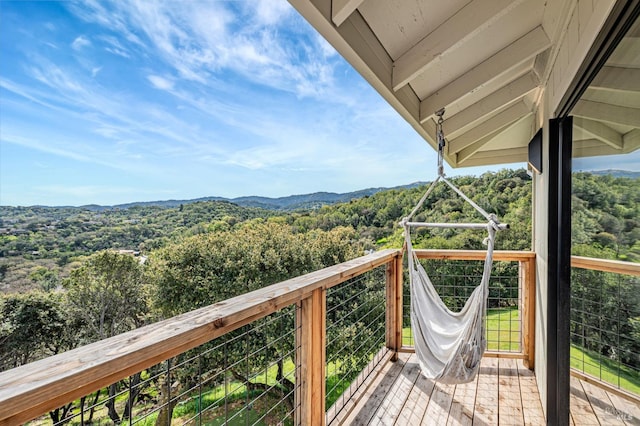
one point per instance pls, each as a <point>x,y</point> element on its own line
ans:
<point>109,102</point>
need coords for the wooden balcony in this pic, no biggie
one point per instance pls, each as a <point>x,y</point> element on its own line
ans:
<point>503,393</point>
<point>387,389</point>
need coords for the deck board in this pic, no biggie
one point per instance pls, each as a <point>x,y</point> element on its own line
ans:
<point>504,393</point>
<point>375,394</point>
<point>462,407</point>
<point>416,405</point>
<point>581,410</point>
<point>394,401</point>
<point>601,404</point>
<point>509,398</point>
<point>626,410</point>
<point>486,410</point>
<point>439,405</point>
<point>531,404</point>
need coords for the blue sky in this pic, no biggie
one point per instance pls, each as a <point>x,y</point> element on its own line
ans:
<point>110,102</point>
<point>132,100</point>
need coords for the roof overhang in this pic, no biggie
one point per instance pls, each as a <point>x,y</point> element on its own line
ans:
<point>487,62</point>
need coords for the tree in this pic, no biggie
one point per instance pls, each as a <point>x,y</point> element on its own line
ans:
<point>107,293</point>
<point>204,269</point>
<point>33,325</point>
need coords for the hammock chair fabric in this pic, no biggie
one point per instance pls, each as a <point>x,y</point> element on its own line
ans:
<point>449,345</point>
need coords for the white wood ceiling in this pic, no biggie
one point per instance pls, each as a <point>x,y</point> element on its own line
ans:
<point>486,62</point>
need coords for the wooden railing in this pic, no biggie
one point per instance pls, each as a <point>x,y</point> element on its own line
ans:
<point>605,265</point>
<point>32,390</point>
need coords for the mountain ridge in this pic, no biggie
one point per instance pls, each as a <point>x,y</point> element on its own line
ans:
<point>289,202</point>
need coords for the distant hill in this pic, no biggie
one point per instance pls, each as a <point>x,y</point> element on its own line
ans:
<point>617,173</point>
<point>291,202</point>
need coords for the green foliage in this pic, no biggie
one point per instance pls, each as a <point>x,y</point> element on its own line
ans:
<point>107,294</point>
<point>605,216</point>
<point>204,269</point>
<point>32,326</point>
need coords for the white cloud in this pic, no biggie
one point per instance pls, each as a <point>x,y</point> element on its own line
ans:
<point>80,42</point>
<point>160,82</point>
<point>114,46</point>
<point>95,71</point>
<point>269,12</point>
<point>264,41</point>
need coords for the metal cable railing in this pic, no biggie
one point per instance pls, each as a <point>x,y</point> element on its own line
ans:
<point>605,326</point>
<point>355,333</point>
<point>247,376</point>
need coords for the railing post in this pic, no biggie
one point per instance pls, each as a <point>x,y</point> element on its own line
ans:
<point>311,335</point>
<point>394,305</point>
<point>398,307</point>
<point>527,276</point>
<point>390,311</point>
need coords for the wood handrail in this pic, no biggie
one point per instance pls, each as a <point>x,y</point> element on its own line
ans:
<point>36,388</point>
<point>498,255</point>
<point>605,265</point>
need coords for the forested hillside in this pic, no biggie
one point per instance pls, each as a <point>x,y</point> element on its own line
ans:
<point>40,245</point>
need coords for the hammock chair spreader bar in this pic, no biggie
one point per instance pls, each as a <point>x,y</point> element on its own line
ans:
<point>496,226</point>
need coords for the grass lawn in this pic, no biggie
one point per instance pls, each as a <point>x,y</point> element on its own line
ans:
<point>503,330</point>
<point>605,369</point>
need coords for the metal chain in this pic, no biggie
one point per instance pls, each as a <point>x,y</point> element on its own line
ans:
<point>441,141</point>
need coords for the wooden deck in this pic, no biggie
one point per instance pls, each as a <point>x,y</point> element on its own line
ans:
<point>504,393</point>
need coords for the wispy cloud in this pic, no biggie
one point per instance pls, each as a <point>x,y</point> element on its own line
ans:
<point>160,82</point>
<point>264,41</point>
<point>217,98</point>
<point>80,42</point>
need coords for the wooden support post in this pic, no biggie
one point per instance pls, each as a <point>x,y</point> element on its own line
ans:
<point>398,302</point>
<point>391,311</point>
<point>528,278</point>
<point>311,319</point>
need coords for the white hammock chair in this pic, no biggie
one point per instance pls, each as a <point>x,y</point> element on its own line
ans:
<point>449,345</point>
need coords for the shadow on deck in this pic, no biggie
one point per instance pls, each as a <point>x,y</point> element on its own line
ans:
<point>504,393</point>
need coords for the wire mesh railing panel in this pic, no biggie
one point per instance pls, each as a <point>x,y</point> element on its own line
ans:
<point>455,280</point>
<point>355,333</point>
<point>605,327</point>
<point>247,376</point>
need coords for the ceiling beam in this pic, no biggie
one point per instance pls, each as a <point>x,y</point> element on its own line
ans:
<point>498,156</point>
<point>599,131</point>
<point>470,151</point>
<point>497,122</point>
<point>455,31</point>
<point>498,99</point>
<point>608,113</point>
<point>342,9</point>
<point>592,148</point>
<point>616,78</point>
<point>631,141</point>
<point>495,67</point>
